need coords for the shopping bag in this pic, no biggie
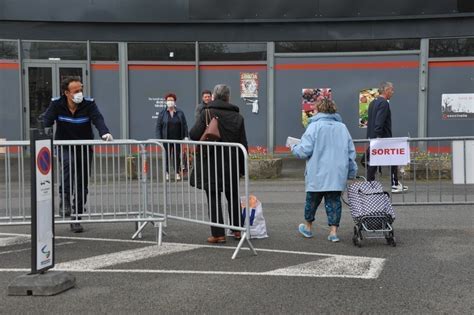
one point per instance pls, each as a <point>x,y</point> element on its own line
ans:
<point>258,227</point>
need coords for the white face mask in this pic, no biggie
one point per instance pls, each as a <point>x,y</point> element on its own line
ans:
<point>170,103</point>
<point>78,98</point>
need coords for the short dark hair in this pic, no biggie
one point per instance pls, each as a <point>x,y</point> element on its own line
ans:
<point>206,92</point>
<point>171,95</point>
<point>65,83</point>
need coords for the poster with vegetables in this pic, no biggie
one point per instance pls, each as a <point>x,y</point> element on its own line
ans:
<point>309,98</point>
<point>365,97</point>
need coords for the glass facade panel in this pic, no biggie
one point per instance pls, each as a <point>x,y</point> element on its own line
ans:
<point>347,46</point>
<point>232,51</point>
<point>8,49</point>
<point>452,47</point>
<point>61,50</point>
<point>104,51</point>
<point>161,52</point>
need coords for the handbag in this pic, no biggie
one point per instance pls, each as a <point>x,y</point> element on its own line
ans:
<point>211,133</point>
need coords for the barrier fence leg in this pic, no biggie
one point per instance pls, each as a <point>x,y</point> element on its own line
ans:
<point>244,238</point>
<point>140,227</point>
<point>159,232</point>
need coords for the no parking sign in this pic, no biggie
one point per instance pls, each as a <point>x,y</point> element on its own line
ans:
<point>42,223</point>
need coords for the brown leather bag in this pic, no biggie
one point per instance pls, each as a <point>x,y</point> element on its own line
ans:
<point>211,133</point>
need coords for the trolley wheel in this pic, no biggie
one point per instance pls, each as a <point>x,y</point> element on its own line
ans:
<point>356,238</point>
<point>390,238</point>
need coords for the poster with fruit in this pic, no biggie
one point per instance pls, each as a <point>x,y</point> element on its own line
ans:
<point>365,97</point>
<point>309,98</point>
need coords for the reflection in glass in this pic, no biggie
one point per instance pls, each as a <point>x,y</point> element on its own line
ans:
<point>104,51</point>
<point>61,50</point>
<point>347,45</point>
<point>161,51</point>
<point>232,51</point>
<point>452,47</point>
<point>40,90</point>
<point>8,50</point>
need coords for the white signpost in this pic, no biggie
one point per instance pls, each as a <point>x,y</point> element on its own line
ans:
<point>42,214</point>
<point>389,151</point>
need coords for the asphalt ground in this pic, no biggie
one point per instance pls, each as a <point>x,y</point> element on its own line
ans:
<point>431,270</point>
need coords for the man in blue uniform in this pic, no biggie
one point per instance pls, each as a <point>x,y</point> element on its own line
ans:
<point>73,114</point>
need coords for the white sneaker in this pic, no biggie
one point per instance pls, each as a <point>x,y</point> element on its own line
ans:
<point>399,188</point>
<point>178,177</point>
<point>167,176</point>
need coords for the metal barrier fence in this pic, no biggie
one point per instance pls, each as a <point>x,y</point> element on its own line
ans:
<point>200,176</point>
<point>130,181</point>
<point>440,172</point>
<point>95,182</point>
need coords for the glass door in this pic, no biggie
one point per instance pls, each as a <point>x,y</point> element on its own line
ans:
<point>43,82</point>
<point>41,86</point>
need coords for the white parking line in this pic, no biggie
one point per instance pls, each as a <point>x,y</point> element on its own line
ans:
<point>106,260</point>
<point>27,249</point>
<point>334,266</point>
<point>368,275</point>
<point>13,240</point>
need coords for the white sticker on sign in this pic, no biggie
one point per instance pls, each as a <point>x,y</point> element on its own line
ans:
<point>389,151</point>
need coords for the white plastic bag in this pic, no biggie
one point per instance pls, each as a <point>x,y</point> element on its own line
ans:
<point>258,227</point>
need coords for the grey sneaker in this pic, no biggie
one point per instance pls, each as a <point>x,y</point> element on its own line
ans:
<point>399,188</point>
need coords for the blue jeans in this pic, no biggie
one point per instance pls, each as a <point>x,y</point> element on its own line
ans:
<point>332,203</point>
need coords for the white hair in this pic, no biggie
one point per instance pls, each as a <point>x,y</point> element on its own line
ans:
<point>221,92</point>
<point>384,86</point>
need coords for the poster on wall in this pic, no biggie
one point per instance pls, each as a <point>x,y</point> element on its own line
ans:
<point>365,97</point>
<point>457,106</point>
<point>249,89</point>
<point>308,101</point>
<point>158,104</point>
<point>248,84</point>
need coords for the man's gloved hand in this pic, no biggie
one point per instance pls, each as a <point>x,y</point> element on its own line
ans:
<point>107,137</point>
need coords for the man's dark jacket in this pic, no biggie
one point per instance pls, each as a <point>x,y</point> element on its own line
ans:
<point>380,119</point>
<point>232,129</point>
<point>77,126</point>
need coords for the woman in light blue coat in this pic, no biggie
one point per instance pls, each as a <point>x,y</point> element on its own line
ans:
<point>328,148</point>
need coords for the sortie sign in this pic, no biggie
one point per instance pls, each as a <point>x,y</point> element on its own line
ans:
<point>389,151</point>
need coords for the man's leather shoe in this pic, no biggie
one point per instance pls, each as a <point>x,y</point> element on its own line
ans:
<point>76,228</point>
<point>237,235</point>
<point>216,239</point>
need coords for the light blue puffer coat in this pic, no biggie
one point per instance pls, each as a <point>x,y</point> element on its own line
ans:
<point>327,145</point>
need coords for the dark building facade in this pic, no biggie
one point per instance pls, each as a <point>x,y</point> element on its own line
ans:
<point>130,53</point>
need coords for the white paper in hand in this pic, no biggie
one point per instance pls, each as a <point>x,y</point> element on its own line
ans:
<point>290,141</point>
